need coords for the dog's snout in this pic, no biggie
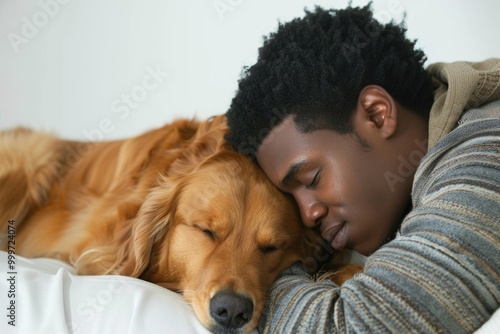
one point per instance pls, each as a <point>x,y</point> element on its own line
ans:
<point>231,310</point>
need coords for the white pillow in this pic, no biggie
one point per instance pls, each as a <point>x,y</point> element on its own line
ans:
<point>47,297</point>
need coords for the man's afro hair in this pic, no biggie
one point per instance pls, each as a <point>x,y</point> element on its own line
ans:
<point>315,67</point>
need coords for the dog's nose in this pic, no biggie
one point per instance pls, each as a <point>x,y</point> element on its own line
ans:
<point>230,309</point>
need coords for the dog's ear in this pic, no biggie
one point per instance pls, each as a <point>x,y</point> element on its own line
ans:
<point>129,249</point>
<point>208,140</point>
<point>155,216</point>
<point>150,227</point>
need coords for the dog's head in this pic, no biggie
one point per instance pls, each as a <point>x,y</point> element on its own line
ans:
<point>217,230</point>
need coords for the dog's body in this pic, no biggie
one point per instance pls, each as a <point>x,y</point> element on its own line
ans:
<point>174,206</point>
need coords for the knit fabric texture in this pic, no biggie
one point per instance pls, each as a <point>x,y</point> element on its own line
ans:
<point>460,86</point>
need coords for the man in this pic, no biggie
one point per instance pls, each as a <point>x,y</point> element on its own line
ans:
<point>396,162</point>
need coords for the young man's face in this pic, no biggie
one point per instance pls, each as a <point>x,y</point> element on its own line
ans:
<point>348,190</point>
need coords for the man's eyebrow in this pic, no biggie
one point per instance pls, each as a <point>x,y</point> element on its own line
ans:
<point>292,171</point>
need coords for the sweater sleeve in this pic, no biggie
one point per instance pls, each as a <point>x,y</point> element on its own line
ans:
<point>442,272</point>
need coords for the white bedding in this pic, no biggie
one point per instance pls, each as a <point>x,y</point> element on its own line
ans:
<point>50,298</point>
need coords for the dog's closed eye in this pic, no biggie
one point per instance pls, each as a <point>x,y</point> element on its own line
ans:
<point>267,249</point>
<point>209,233</point>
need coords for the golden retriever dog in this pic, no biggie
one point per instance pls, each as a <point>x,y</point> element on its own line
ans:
<point>174,206</point>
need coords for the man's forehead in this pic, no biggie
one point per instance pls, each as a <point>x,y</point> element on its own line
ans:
<point>285,128</point>
<point>283,148</point>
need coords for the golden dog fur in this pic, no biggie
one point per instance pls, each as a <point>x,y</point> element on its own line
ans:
<point>175,206</point>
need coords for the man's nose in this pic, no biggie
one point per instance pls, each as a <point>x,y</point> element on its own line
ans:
<point>312,211</point>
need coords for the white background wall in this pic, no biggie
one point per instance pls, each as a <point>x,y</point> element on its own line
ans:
<point>67,66</point>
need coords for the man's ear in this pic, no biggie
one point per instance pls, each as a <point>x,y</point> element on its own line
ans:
<point>377,110</point>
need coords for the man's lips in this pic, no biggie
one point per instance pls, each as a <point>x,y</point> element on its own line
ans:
<point>336,235</point>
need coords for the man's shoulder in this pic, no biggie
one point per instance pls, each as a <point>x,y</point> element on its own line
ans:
<point>477,134</point>
<point>487,111</point>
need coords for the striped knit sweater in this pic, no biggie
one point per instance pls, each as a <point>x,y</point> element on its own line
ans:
<point>442,272</point>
